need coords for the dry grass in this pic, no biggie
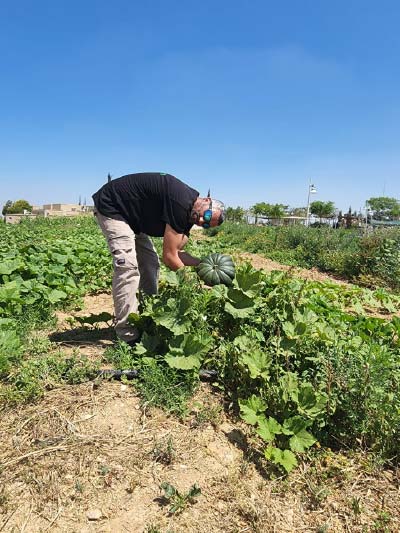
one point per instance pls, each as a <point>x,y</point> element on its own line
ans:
<point>85,448</point>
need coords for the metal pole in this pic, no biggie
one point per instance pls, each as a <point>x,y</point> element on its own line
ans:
<point>308,205</point>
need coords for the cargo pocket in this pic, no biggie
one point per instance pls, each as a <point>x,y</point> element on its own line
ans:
<point>126,260</point>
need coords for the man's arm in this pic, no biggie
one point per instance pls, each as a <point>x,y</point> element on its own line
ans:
<point>173,244</point>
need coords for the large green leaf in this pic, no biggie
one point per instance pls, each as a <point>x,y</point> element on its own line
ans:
<point>182,362</point>
<point>289,386</point>
<point>10,292</point>
<point>294,424</point>
<point>267,429</point>
<point>197,344</point>
<point>239,305</point>
<point>251,408</point>
<point>301,441</point>
<point>248,280</point>
<point>257,362</point>
<point>174,323</point>
<point>56,295</point>
<point>284,458</point>
<point>170,278</point>
<point>7,267</point>
<point>219,292</point>
<point>311,402</point>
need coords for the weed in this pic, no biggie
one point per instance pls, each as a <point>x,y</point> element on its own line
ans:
<point>356,505</point>
<point>164,452</point>
<point>206,413</point>
<point>37,344</point>
<point>165,387</point>
<point>178,502</point>
<point>121,356</point>
<point>79,487</point>
<point>318,494</point>
<point>34,376</point>
<point>103,470</point>
<point>382,522</point>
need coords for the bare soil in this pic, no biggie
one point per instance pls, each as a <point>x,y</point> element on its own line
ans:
<point>91,458</point>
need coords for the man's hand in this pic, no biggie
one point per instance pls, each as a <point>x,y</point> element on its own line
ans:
<point>173,244</point>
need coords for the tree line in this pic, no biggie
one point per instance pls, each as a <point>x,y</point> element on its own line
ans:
<point>380,208</point>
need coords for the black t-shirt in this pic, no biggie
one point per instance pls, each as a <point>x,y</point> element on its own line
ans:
<point>147,202</point>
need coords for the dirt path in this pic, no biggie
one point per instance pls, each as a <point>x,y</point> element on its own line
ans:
<point>263,263</point>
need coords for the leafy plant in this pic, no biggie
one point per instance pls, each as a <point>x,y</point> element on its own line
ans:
<point>179,502</point>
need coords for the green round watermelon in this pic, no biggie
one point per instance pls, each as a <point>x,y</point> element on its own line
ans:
<point>216,269</point>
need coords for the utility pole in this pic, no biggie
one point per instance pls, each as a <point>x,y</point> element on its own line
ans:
<point>311,190</point>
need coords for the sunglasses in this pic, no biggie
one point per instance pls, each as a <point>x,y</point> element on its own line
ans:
<point>207,216</point>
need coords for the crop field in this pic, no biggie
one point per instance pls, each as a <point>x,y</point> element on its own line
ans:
<point>293,426</point>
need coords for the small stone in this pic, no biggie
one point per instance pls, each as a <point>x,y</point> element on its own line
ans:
<point>94,514</point>
<point>124,388</point>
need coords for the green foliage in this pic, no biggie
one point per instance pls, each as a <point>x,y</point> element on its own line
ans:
<point>322,209</point>
<point>120,355</point>
<point>10,351</point>
<point>46,263</point>
<point>383,206</point>
<point>371,260</point>
<point>19,206</point>
<point>290,355</point>
<point>28,380</point>
<point>234,214</point>
<point>178,502</point>
<point>6,207</point>
<point>268,210</point>
<point>165,387</point>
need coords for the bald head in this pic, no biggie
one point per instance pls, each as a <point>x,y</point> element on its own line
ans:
<point>208,212</point>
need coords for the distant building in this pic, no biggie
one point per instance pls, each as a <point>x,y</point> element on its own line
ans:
<point>51,210</point>
<point>289,220</point>
<point>63,210</point>
<point>16,218</point>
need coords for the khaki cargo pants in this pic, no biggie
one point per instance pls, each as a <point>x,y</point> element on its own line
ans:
<point>136,267</point>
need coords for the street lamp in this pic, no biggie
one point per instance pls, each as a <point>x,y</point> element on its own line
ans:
<point>311,190</point>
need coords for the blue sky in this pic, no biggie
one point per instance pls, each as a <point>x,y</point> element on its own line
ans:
<point>252,98</point>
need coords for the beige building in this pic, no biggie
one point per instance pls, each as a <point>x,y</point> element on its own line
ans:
<point>14,219</point>
<point>62,210</point>
<point>51,210</point>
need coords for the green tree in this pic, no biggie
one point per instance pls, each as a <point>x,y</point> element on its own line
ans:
<point>6,207</point>
<point>235,214</point>
<point>383,207</point>
<point>322,209</point>
<point>259,210</point>
<point>18,207</point>
<point>275,210</point>
<point>268,210</point>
